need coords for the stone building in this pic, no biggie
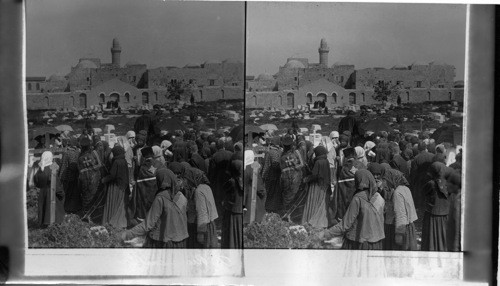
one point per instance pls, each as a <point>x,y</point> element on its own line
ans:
<point>92,82</point>
<point>300,82</point>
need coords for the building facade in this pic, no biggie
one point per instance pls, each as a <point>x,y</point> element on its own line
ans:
<point>300,82</point>
<point>92,82</point>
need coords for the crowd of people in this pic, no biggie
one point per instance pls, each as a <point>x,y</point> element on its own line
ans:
<point>366,187</point>
<point>176,189</point>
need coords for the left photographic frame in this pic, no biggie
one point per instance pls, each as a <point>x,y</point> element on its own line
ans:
<point>132,113</point>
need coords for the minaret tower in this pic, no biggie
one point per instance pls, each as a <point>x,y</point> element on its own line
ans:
<point>323,53</point>
<point>116,49</point>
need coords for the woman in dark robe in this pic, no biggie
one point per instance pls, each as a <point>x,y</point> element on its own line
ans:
<point>89,178</point>
<point>166,221</point>
<point>363,223</point>
<point>145,187</point>
<point>232,223</point>
<point>437,206</point>
<point>271,173</point>
<point>69,178</point>
<point>345,185</point>
<point>292,165</point>
<point>318,191</point>
<point>117,188</point>
<point>43,181</point>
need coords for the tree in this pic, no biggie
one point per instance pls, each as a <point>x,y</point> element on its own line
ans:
<point>175,89</point>
<point>383,91</point>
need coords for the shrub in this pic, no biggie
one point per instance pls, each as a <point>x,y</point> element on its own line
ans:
<point>273,232</point>
<point>74,233</point>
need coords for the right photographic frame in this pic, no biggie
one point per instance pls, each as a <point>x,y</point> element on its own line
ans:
<point>354,123</point>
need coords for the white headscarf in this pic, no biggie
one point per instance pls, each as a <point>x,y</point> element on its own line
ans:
<point>46,160</point>
<point>165,144</point>
<point>249,157</point>
<point>130,134</point>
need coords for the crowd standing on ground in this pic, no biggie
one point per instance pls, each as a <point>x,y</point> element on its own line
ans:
<point>364,187</point>
<point>176,189</point>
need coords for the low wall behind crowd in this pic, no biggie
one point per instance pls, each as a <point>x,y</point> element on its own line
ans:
<point>342,97</point>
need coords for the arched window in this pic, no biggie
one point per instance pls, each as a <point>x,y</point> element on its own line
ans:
<point>280,98</point>
<point>29,85</point>
<point>102,98</point>
<point>254,100</point>
<point>321,96</point>
<point>145,98</point>
<point>408,96</point>
<point>449,94</point>
<point>156,96</point>
<point>352,98</point>
<point>290,100</point>
<point>37,86</point>
<point>47,102</point>
<point>334,95</point>
<point>429,96</point>
<point>309,97</point>
<point>83,100</point>
<point>201,95</point>
<point>115,97</point>
<point>222,94</point>
<point>127,97</point>
<point>364,99</point>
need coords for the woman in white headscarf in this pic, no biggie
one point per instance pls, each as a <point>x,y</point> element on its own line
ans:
<point>360,155</point>
<point>124,142</point>
<point>43,181</point>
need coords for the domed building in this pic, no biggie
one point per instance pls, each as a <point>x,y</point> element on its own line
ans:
<point>92,83</point>
<point>301,82</point>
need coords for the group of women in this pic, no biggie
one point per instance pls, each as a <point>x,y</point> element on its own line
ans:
<point>369,193</point>
<point>176,192</point>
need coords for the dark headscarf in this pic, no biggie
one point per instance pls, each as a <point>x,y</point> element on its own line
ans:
<point>166,180</point>
<point>376,169</point>
<point>439,157</point>
<point>364,181</point>
<point>117,151</point>
<point>177,168</point>
<point>320,150</point>
<point>407,154</point>
<point>395,178</point>
<point>438,170</point>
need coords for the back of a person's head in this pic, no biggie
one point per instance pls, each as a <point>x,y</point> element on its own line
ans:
<point>422,146</point>
<point>220,144</point>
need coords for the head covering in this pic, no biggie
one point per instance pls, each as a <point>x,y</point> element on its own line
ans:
<point>117,150</point>
<point>130,134</point>
<point>143,134</point>
<point>376,169</point>
<point>157,151</point>
<point>395,178</point>
<point>368,146</point>
<point>236,168</point>
<point>320,150</point>
<point>407,154</point>
<point>238,146</point>
<point>165,179</point>
<point>177,168</point>
<point>165,144</point>
<point>334,134</point>
<point>287,140</point>
<point>343,137</point>
<point>440,148</point>
<point>349,153</point>
<point>249,157</point>
<point>438,170</point>
<point>147,152</point>
<point>85,142</point>
<point>364,180</point>
<point>46,160</point>
<point>123,141</point>
<point>360,152</point>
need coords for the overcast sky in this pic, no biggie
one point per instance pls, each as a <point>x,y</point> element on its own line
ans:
<point>366,35</point>
<point>153,32</point>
